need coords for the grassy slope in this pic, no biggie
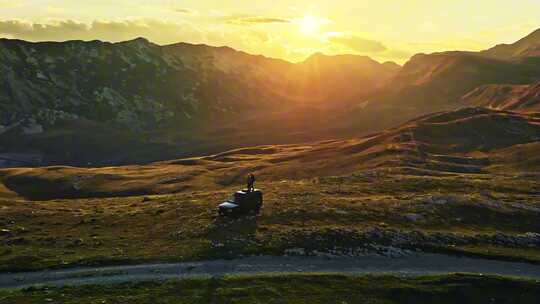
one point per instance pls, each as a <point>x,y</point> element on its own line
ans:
<point>316,288</point>
<point>317,214</point>
<point>507,97</point>
<point>465,141</point>
<point>318,196</point>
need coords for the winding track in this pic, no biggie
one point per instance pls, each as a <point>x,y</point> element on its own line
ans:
<point>414,265</point>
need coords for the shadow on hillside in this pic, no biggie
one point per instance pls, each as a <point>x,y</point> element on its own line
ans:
<point>37,188</point>
<point>233,229</point>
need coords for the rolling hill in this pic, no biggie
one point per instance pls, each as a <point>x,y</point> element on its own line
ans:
<point>459,182</point>
<point>467,141</point>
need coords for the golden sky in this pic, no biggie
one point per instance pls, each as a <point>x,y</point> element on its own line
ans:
<point>292,30</point>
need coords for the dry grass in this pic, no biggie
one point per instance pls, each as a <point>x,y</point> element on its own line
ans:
<point>306,288</point>
<point>466,141</point>
<point>167,210</point>
<point>185,226</point>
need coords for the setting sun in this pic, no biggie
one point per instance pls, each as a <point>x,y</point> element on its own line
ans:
<point>310,25</point>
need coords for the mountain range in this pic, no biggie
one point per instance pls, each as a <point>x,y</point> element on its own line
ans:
<point>65,95</point>
<point>96,103</point>
<point>431,82</point>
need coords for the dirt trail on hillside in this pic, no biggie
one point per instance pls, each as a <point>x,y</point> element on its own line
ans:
<point>414,265</point>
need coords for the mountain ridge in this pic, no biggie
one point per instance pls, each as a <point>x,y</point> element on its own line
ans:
<point>528,46</point>
<point>437,81</point>
<point>178,90</point>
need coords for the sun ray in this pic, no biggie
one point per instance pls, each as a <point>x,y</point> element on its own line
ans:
<point>310,25</point>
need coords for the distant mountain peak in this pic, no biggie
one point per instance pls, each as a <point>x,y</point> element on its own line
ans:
<point>391,64</point>
<point>343,60</point>
<point>136,41</point>
<point>322,56</point>
<point>529,46</point>
<point>140,40</point>
<point>534,36</point>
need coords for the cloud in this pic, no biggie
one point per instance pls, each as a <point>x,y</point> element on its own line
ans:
<point>156,30</point>
<point>275,42</point>
<point>186,11</point>
<point>25,30</point>
<point>358,44</point>
<point>256,20</point>
<point>248,39</point>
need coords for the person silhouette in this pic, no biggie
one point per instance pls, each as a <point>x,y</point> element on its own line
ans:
<point>250,182</point>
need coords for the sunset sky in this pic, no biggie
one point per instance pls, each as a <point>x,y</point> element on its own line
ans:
<point>292,30</point>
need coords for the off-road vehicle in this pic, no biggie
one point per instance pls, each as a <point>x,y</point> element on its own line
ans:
<point>242,202</point>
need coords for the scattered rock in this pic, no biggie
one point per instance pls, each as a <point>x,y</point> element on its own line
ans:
<point>177,235</point>
<point>32,128</point>
<point>295,251</point>
<point>492,203</point>
<point>413,217</point>
<point>441,200</point>
<point>17,241</point>
<point>526,207</point>
<point>216,244</point>
<point>76,243</point>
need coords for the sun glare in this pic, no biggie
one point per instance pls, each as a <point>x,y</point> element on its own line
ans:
<point>310,25</point>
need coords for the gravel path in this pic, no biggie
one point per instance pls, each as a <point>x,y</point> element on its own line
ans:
<point>414,265</point>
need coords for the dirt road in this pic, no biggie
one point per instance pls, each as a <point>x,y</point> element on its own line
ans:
<point>414,265</point>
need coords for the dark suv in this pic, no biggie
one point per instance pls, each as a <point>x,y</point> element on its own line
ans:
<point>242,202</point>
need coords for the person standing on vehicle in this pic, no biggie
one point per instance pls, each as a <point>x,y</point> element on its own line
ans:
<point>250,182</point>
